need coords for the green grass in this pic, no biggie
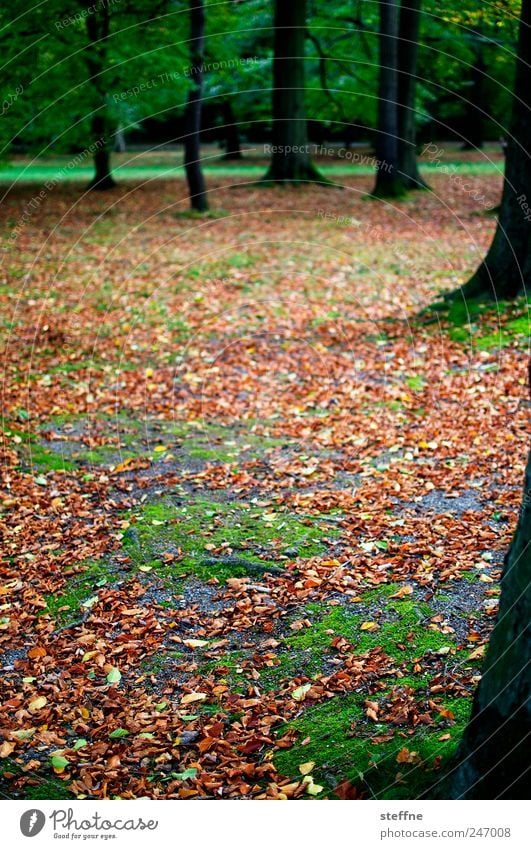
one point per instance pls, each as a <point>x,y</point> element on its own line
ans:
<point>40,172</point>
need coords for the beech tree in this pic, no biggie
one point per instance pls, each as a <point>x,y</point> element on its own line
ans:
<point>192,152</point>
<point>97,24</point>
<point>396,153</point>
<point>493,758</point>
<point>506,269</point>
<point>290,158</point>
<point>407,56</point>
<point>388,182</point>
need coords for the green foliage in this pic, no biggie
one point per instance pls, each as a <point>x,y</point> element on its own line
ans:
<point>56,79</point>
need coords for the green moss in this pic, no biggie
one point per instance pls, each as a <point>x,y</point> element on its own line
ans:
<point>236,534</point>
<point>340,745</point>
<point>487,328</point>
<point>42,459</point>
<point>77,594</point>
<point>402,631</point>
<point>44,788</point>
<point>156,663</point>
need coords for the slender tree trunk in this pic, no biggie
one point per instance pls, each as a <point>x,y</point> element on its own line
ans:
<point>232,134</point>
<point>506,269</point>
<point>119,140</point>
<point>494,755</point>
<point>290,158</point>
<point>192,152</point>
<point>408,38</point>
<point>388,182</point>
<point>97,23</point>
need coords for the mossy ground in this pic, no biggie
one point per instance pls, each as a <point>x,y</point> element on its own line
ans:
<point>484,326</point>
<point>193,531</point>
<point>337,737</point>
<point>184,532</point>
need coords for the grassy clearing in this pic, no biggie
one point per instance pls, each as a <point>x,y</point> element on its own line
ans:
<point>41,172</point>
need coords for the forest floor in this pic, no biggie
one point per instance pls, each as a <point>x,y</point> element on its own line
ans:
<point>255,498</point>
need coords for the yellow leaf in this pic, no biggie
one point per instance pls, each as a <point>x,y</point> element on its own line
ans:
<point>369,626</point>
<point>193,697</point>
<point>306,768</point>
<point>311,788</point>
<point>159,448</point>
<point>402,591</point>
<point>300,693</point>
<point>37,704</point>
<point>479,652</point>
<point>6,749</point>
<point>88,655</point>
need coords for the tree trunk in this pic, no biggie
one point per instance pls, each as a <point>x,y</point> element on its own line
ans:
<point>388,182</point>
<point>119,140</point>
<point>232,134</point>
<point>474,109</point>
<point>290,158</point>
<point>506,269</point>
<point>97,23</point>
<point>493,758</point>
<point>192,153</point>
<point>408,37</point>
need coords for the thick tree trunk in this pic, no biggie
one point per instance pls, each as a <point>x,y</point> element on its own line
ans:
<point>474,109</point>
<point>408,36</point>
<point>506,270</point>
<point>192,153</point>
<point>232,134</point>
<point>494,756</point>
<point>388,182</point>
<point>97,23</point>
<point>290,158</point>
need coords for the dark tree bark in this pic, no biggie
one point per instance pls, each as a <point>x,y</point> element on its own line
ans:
<point>506,270</point>
<point>192,153</point>
<point>290,158</point>
<point>232,134</point>
<point>475,112</point>
<point>388,182</point>
<point>97,23</point>
<point>408,38</point>
<point>494,755</point>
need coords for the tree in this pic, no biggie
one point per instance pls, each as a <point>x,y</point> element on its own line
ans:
<point>232,134</point>
<point>388,182</point>
<point>408,45</point>
<point>396,149</point>
<point>493,758</point>
<point>290,159</point>
<point>192,153</point>
<point>97,23</point>
<point>506,269</point>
